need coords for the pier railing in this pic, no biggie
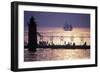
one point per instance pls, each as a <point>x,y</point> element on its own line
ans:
<point>47,40</point>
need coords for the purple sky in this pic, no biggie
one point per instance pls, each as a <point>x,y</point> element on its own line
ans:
<point>53,19</point>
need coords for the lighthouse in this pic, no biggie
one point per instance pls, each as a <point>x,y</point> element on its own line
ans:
<point>32,35</point>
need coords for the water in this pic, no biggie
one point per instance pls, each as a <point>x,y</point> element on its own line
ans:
<point>59,54</point>
<point>56,54</point>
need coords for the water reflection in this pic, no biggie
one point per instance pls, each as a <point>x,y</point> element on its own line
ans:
<point>56,54</point>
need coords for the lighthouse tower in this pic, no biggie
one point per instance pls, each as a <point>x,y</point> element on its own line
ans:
<point>32,35</point>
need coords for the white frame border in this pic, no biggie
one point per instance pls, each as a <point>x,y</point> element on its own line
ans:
<point>22,64</point>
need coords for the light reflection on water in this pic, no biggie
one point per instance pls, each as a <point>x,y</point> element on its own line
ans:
<point>56,54</point>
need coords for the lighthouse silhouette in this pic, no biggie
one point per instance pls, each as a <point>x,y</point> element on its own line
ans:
<point>32,35</point>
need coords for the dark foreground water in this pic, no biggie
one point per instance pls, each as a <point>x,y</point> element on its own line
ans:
<point>56,54</point>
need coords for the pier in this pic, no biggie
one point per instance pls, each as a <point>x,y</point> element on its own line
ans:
<point>41,43</point>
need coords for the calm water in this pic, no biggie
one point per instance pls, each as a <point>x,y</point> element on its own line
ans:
<point>60,54</point>
<point>56,54</point>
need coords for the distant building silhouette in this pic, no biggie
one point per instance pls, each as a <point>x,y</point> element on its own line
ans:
<point>32,35</point>
<point>68,27</point>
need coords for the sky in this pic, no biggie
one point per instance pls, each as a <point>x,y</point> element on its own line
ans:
<point>56,19</point>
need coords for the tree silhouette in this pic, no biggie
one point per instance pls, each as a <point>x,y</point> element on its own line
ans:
<point>32,35</point>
